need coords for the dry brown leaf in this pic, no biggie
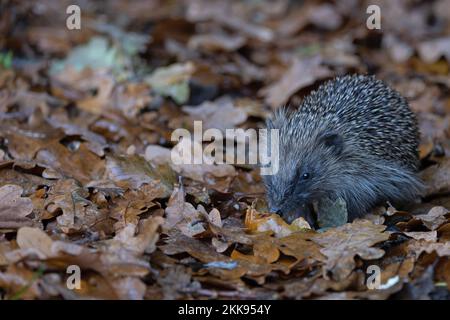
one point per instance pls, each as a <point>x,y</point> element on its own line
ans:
<point>120,258</point>
<point>185,217</point>
<point>217,176</point>
<point>432,50</point>
<point>133,203</point>
<point>227,64</point>
<point>179,211</point>
<point>342,244</point>
<point>325,16</point>
<point>104,85</point>
<point>131,98</point>
<point>258,268</point>
<point>133,171</point>
<point>427,236</point>
<point>417,247</point>
<point>144,241</point>
<point>200,10</point>
<point>25,143</point>
<point>15,278</point>
<point>266,249</point>
<point>77,211</point>
<point>33,238</point>
<point>273,223</point>
<point>60,161</point>
<point>80,84</point>
<point>300,246</point>
<point>129,288</point>
<point>14,208</point>
<point>300,74</point>
<point>216,42</point>
<point>179,243</point>
<point>437,177</point>
<point>434,218</point>
<point>220,114</point>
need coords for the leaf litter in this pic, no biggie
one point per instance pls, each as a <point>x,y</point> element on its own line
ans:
<point>86,176</point>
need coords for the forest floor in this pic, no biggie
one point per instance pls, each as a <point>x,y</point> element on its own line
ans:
<point>88,188</point>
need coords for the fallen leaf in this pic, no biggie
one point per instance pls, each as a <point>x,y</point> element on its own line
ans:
<point>437,177</point>
<point>300,74</point>
<point>178,243</point>
<point>178,210</point>
<point>133,171</point>
<point>417,247</point>
<point>273,223</point>
<point>214,42</point>
<point>185,217</point>
<point>20,283</point>
<point>172,81</point>
<point>33,238</point>
<point>144,241</point>
<point>96,54</point>
<point>434,218</point>
<point>428,236</point>
<point>331,213</point>
<point>343,243</point>
<point>220,114</point>
<point>200,10</point>
<point>77,212</point>
<point>266,249</point>
<point>129,288</point>
<point>300,246</point>
<point>133,203</point>
<point>217,176</point>
<point>14,208</point>
<point>58,160</point>
<point>325,16</point>
<point>430,51</point>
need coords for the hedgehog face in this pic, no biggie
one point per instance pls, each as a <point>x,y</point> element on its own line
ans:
<point>291,195</point>
<point>303,177</point>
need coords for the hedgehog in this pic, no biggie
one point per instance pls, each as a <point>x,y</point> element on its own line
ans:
<point>353,138</point>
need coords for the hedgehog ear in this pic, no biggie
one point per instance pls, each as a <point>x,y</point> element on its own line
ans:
<point>333,141</point>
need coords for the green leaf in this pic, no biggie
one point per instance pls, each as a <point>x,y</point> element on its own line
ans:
<point>172,81</point>
<point>331,213</point>
<point>95,54</point>
<point>6,59</point>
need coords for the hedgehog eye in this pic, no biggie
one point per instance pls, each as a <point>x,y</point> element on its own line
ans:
<point>305,176</point>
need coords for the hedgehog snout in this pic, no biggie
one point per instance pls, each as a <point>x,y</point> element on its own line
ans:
<point>303,211</point>
<point>275,209</point>
<point>290,208</point>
